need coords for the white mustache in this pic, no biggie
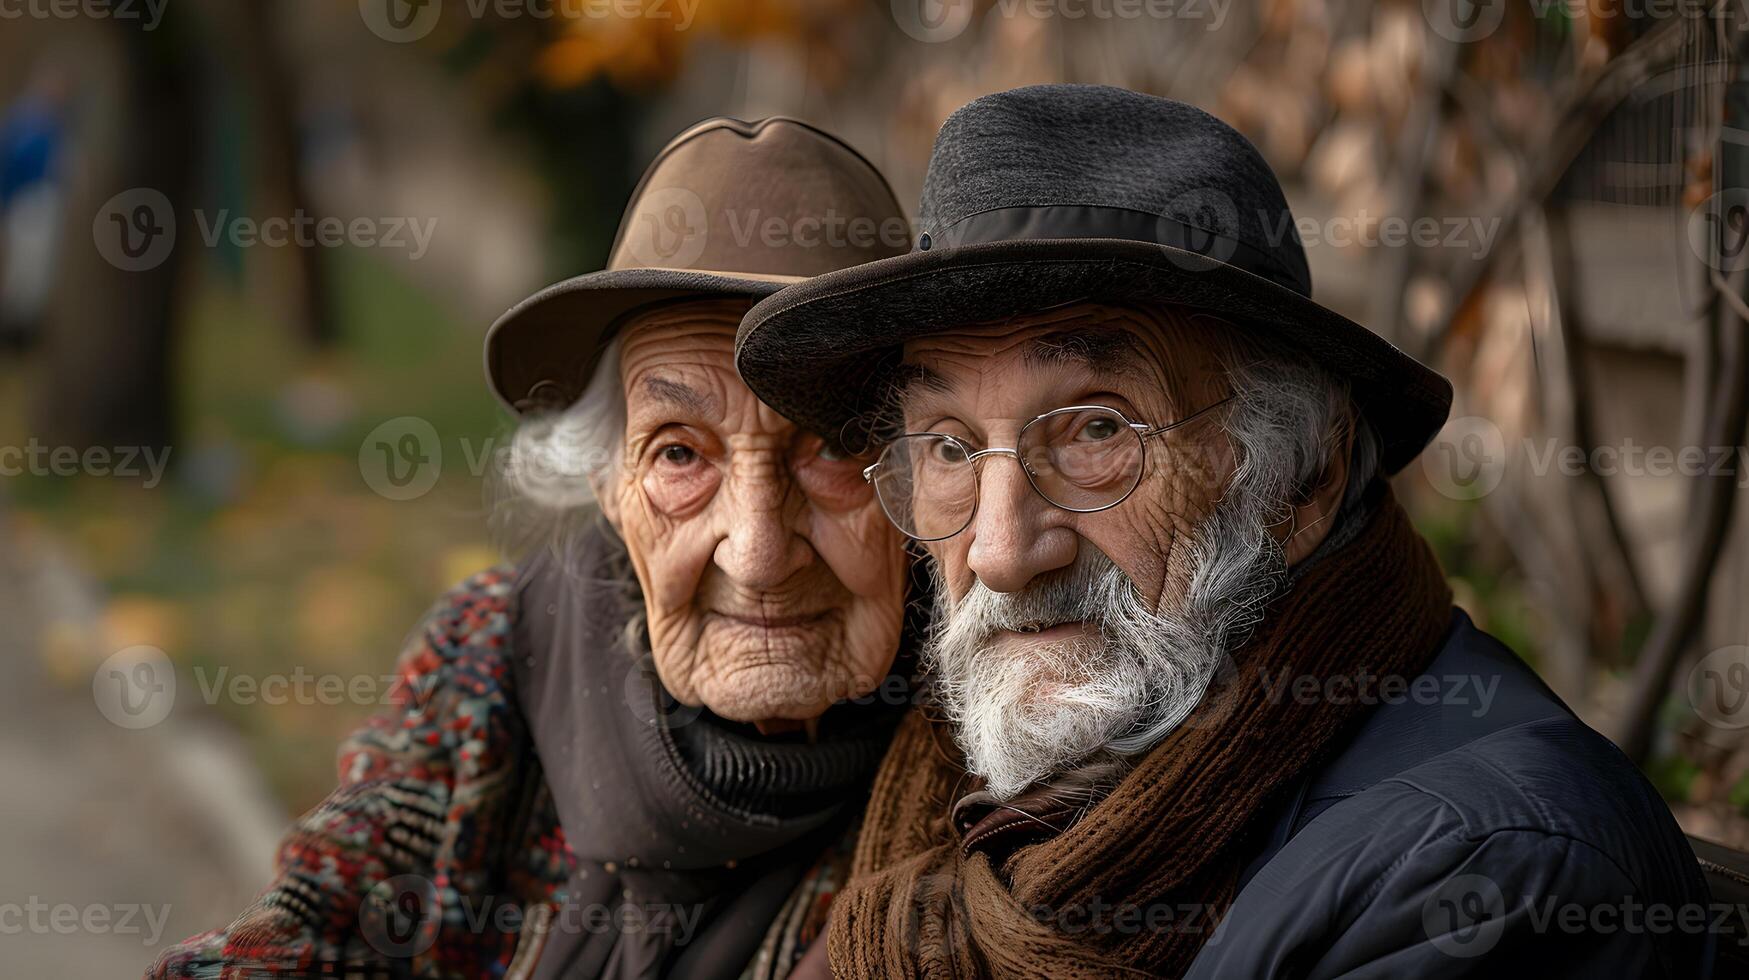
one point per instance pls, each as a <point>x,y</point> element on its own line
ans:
<point>1070,595</point>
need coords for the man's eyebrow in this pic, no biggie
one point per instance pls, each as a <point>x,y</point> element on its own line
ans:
<point>913,378</point>
<point>1103,351</point>
<point>678,394</point>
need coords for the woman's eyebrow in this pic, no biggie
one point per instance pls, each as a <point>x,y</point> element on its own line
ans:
<point>678,394</point>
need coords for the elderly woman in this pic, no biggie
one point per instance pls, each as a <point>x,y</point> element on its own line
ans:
<point>640,753</point>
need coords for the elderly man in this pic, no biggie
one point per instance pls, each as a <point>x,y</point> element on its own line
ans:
<point>1212,711</point>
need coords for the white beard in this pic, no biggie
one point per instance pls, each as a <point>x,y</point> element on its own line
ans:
<point>1089,702</point>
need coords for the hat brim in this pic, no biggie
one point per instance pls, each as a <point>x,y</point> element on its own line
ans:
<point>545,348</point>
<point>818,352</point>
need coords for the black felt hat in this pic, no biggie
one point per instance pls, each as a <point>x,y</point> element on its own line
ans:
<point>1053,193</point>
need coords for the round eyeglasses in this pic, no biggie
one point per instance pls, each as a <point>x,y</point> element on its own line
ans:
<point>1083,458</point>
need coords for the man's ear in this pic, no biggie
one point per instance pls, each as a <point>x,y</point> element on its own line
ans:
<point>1312,515</point>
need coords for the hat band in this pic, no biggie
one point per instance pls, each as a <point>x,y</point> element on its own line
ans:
<point>1058,221</point>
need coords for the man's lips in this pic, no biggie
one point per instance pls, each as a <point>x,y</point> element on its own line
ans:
<point>1042,633</point>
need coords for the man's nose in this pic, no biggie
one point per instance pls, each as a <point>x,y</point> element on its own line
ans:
<point>1014,539</point>
<point>760,548</point>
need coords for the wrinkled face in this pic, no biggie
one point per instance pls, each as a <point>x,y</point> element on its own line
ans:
<point>982,384</point>
<point>773,584</point>
<point>1060,636</point>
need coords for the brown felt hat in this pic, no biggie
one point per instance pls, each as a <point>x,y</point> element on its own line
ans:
<point>727,209</point>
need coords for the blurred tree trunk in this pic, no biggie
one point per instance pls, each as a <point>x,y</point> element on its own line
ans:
<point>106,379</point>
<point>278,153</point>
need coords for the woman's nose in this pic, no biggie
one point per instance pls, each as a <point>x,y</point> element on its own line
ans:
<point>760,547</point>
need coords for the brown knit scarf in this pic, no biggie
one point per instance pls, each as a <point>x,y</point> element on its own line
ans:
<point>1136,885</point>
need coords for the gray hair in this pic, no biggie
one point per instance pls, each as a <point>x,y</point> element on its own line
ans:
<point>542,483</point>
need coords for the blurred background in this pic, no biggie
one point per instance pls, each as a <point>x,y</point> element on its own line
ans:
<point>249,250</point>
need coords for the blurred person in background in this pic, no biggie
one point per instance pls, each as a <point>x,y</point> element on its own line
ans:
<point>640,752</point>
<point>1215,714</point>
<point>33,135</point>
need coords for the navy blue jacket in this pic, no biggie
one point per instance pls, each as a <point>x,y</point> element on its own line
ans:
<point>1471,827</point>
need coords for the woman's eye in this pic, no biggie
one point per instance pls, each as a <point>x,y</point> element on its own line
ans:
<point>678,455</point>
<point>1099,430</point>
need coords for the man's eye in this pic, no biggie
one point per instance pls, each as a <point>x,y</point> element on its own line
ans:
<point>831,453</point>
<point>678,455</point>
<point>949,452</point>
